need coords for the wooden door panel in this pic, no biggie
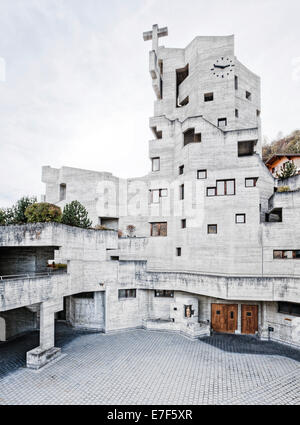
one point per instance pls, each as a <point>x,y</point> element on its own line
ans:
<point>224,317</point>
<point>249,319</point>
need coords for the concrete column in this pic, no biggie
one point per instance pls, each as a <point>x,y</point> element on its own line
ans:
<point>2,329</point>
<point>46,352</point>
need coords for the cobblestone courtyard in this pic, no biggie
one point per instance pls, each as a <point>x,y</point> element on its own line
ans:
<point>143,367</point>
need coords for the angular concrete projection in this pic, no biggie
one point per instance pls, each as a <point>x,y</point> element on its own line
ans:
<point>46,351</point>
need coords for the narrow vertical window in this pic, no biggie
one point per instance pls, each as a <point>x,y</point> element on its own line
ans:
<point>156,164</point>
<point>62,191</point>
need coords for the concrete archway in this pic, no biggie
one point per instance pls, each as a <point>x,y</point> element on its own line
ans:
<point>2,329</point>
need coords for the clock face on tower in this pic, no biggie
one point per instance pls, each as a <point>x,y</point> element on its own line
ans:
<point>222,67</point>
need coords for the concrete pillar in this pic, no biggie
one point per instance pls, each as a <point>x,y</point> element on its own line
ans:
<point>2,329</point>
<point>46,351</point>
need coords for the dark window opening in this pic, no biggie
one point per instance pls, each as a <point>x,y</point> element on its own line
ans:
<point>127,293</point>
<point>212,228</point>
<point>222,122</point>
<point>250,181</point>
<point>181,75</point>
<point>218,312</point>
<point>156,164</point>
<point>84,295</point>
<point>289,308</point>
<point>231,315</point>
<point>181,169</point>
<point>161,67</point>
<point>183,223</point>
<point>62,191</point>
<point>164,293</point>
<point>189,136</point>
<point>185,101</point>
<point>157,134</point>
<point>114,258</point>
<point>248,95</point>
<point>257,112</point>
<point>178,252</point>
<point>246,148</point>
<point>158,229</point>
<point>236,113</point>
<point>201,174</point>
<point>188,312</point>
<point>236,82</point>
<point>161,87</point>
<point>287,254</point>
<point>274,216</point>
<point>249,313</point>
<point>181,191</point>
<point>240,218</point>
<point>208,97</point>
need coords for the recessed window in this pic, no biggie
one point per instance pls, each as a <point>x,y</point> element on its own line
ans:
<point>240,218</point>
<point>212,228</point>
<point>62,191</point>
<point>178,252</point>
<point>222,122</point>
<point>163,293</point>
<point>181,169</point>
<point>251,181</point>
<point>287,254</point>
<point>157,134</point>
<point>181,75</point>
<point>127,293</point>
<point>201,174</point>
<point>183,223</point>
<point>188,312</point>
<point>289,308</point>
<point>246,147</point>
<point>211,191</point>
<point>248,95</point>
<point>208,97</point>
<point>257,112</point>
<point>158,229</point>
<point>156,164</point>
<point>114,258</point>
<point>236,112</point>
<point>181,191</point>
<point>185,101</point>
<point>189,136</point>
<point>236,82</point>
<point>156,194</point>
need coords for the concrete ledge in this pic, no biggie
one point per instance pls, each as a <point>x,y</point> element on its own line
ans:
<point>37,358</point>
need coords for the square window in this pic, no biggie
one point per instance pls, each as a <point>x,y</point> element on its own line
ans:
<point>211,191</point>
<point>208,97</point>
<point>181,169</point>
<point>156,164</point>
<point>183,223</point>
<point>178,252</point>
<point>251,181</point>
<point>158,229</point>
<point>201,174</point>
<point>277,254</point>
<point>222,122</point>
<point>163,193</point>
<point>240,218</point>
<point>212,228</point>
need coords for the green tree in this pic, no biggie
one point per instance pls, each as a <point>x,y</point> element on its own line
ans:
<point>2,217</point>
<point>43,212</point>
<point>75,214</point>
<point>20,207</point>
<point>288,169</point>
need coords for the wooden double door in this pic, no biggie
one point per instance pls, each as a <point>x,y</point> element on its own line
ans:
<point>224,318</point>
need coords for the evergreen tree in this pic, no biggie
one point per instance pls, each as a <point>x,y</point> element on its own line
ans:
<point>289,169</point>
<point>75,214</point>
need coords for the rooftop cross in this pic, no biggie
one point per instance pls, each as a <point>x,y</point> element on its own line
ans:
<point>154,35</point>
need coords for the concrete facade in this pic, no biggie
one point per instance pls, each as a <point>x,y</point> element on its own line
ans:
<point>209,229</point>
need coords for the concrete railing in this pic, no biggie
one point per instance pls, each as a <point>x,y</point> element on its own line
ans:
<point>32,275</point>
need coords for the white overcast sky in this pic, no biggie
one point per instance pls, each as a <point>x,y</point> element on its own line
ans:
<point>78,92</point>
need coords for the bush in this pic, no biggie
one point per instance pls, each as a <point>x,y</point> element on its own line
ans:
<point>75,214</point>
<point>43,212</point>
<point>283,189</point>
<point>2,217</point>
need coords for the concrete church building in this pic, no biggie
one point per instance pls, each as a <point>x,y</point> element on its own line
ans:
<point>215,246</point>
